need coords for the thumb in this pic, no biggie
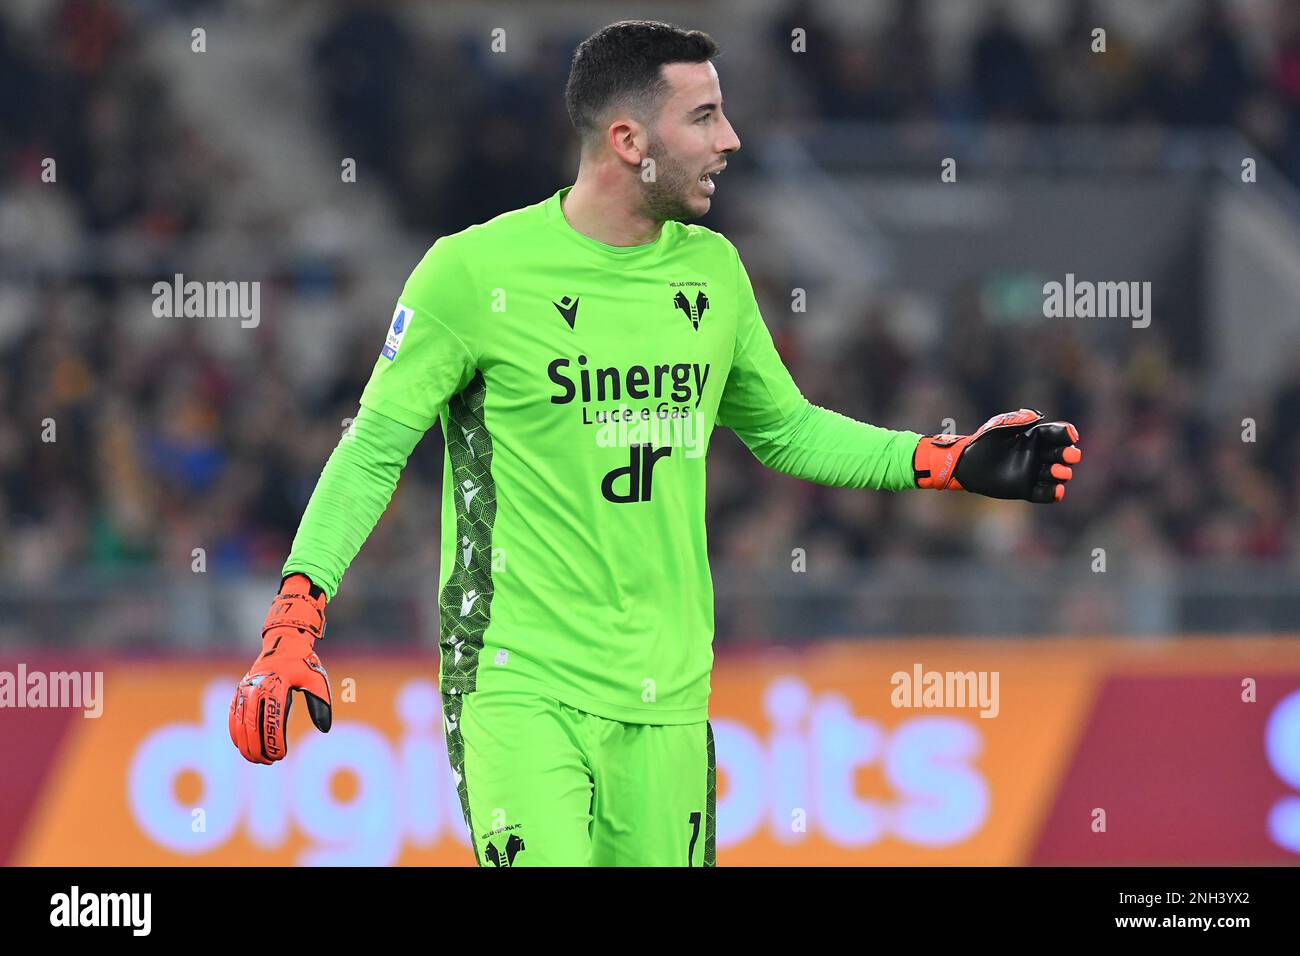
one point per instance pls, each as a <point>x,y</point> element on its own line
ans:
<point>315,686</point>
<point>320,711</point>
<point>1055,434</point>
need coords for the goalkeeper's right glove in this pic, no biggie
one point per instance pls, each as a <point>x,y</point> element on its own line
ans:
<point>259,713</point>
<point>1012,455</point>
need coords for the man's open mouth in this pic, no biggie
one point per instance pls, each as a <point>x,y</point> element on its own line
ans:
<point>707,178</point>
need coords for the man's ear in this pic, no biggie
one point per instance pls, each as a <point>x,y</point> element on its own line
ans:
<point>628,139</point>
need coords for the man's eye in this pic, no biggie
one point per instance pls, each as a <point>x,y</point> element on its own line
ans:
<point>704,117</point>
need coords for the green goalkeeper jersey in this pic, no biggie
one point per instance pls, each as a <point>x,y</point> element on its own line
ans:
<point>578,384</point>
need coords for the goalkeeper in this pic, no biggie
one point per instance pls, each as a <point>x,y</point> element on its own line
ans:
<point>577,354</point>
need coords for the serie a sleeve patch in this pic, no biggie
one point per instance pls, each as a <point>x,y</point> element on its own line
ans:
<point>397,331</point>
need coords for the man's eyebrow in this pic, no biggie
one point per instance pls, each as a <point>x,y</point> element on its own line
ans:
<point>706,106</point>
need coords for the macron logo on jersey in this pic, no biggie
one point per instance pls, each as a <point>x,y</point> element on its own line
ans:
<point>397,331</point>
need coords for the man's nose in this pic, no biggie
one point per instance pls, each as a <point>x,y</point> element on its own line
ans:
<point>730,142</point>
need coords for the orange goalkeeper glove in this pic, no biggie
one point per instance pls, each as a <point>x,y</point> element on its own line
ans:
<point>259,713</point>
<point>1009,457</point>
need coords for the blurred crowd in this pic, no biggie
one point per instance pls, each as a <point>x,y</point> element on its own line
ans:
<point>166,444</point>
<point>1205,69</point>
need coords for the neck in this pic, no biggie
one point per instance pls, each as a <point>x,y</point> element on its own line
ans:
<point>604,205</point>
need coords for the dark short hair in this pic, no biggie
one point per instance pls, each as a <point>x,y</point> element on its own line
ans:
<point>620,65</point>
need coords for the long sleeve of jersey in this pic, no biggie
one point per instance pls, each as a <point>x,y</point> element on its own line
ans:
<point>423,363</point>
<point>762,404</point>
<point>352,493</point>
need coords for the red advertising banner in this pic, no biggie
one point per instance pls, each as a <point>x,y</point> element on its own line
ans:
<point>853,753</point>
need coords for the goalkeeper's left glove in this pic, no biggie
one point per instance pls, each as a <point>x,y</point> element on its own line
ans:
<point>259,711</point>
<point>1013,455</point>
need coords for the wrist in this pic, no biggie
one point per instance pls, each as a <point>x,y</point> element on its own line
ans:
<point>297,610</point>
<point>300,583</point>
<point>935,460</point>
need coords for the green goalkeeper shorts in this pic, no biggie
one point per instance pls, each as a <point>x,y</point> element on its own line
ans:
<point>544,784</point>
